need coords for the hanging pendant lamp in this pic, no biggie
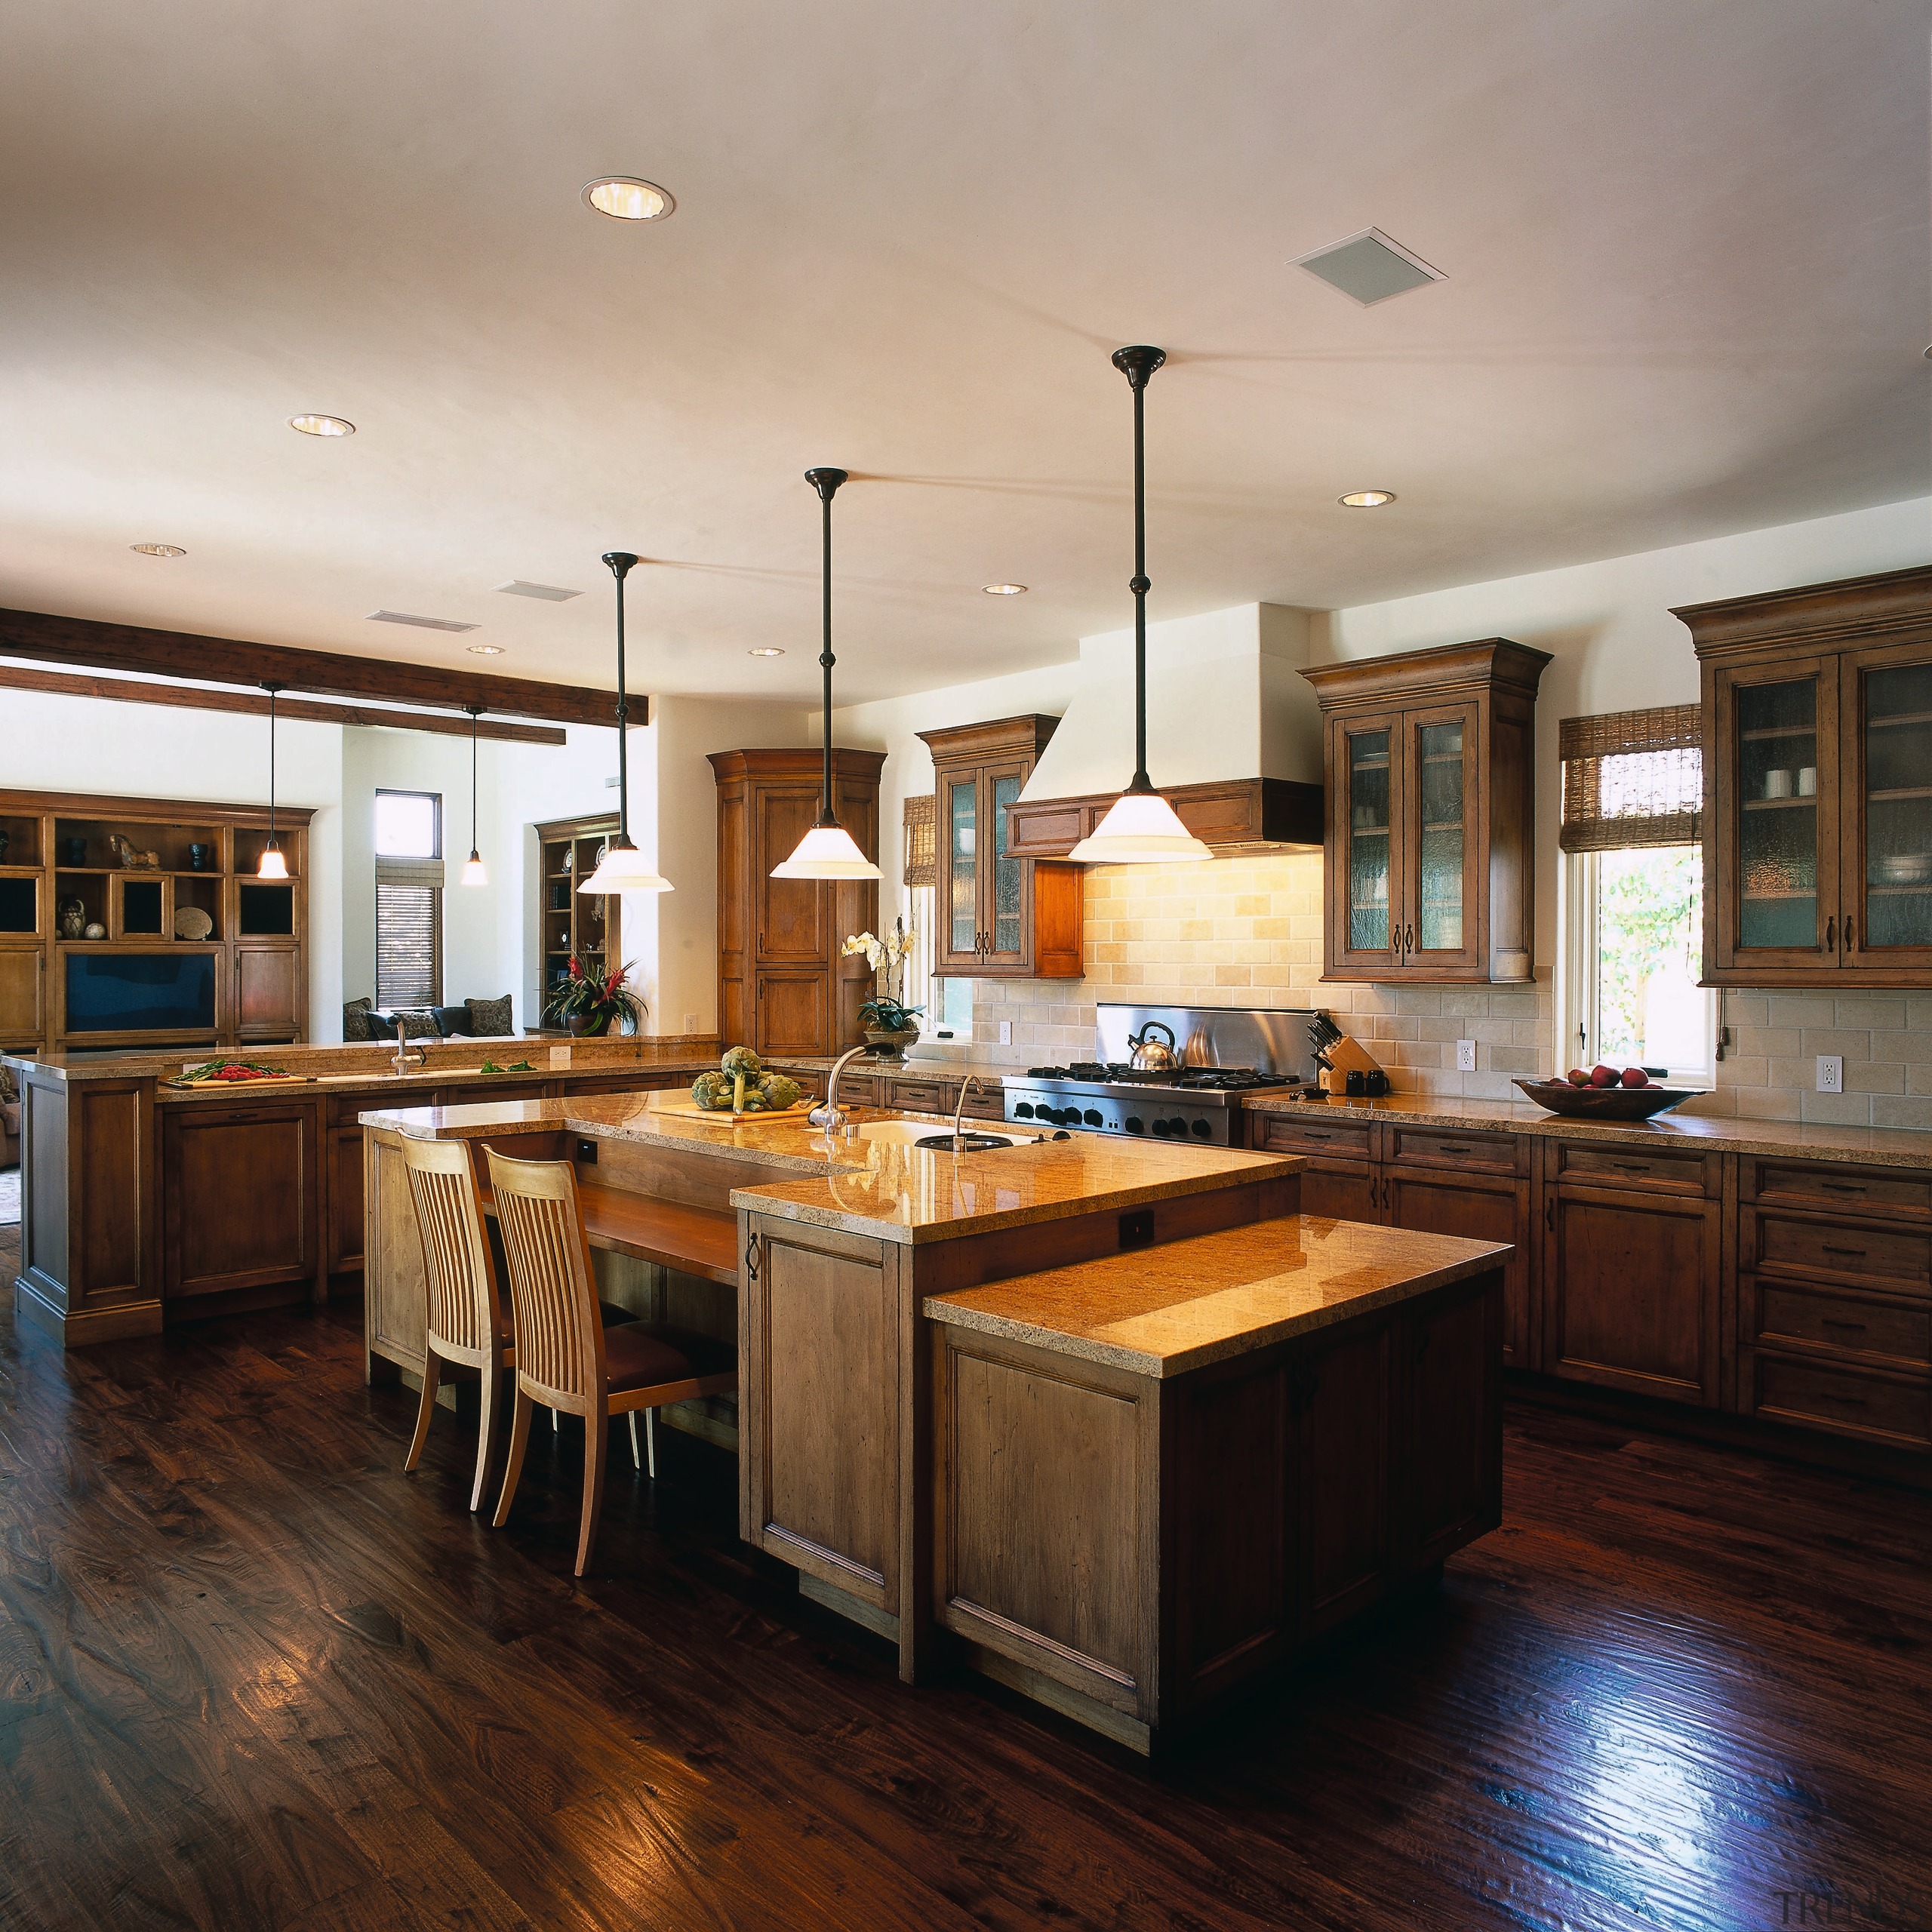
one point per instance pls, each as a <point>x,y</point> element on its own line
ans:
<point>273,864</point>
<point>623,868</point>
<point>828,851</point>
<point>1141,828</point>
<point>473,873</point>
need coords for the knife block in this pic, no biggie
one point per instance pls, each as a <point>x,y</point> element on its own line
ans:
<point>1347,1057</point>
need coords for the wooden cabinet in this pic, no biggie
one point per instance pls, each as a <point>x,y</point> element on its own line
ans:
<point>22,995</point>
<point>1429,861</point>
<point>783,986</point>
<point>999,915</point>
<point>1818,784</point>
<point>269,994</point>
<point>241,1197</point>
<point>584,926</point>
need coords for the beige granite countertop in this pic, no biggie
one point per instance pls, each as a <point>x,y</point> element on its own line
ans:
<point>1879,1146</point>
<point>1163,1311</point>
<point>910,1195</point>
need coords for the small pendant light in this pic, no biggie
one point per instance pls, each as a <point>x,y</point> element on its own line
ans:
<point>273,864</point>
<point>828,851</point>
<point>623,868</point>
<point>473,873</point>
<point>1141,828</point>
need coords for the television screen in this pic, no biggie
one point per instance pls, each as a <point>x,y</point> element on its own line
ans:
<point>140,993</point>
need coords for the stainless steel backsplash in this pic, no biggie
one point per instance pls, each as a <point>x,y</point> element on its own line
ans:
<point>1274,1039</point>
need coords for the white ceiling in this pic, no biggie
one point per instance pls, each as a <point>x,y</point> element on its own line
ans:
<point>1687,246</point>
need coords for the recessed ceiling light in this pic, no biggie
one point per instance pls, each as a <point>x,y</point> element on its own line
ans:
<point>158,549</point>
<point>322,426</point>
<point>623,198</point>
<point>550,593</point>
<point>765,650</point>
<point>485,650</point>
<point>1004,589</point>
<point>1366,499</point>
<point>1370,267</point>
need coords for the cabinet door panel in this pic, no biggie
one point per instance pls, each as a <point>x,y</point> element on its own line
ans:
<point>23,986</point>
<point>1341,1190</point>
<point>1452,1477</point>
<point>1366,885</point>
<point>345,1230</point>
<point>961,909</point>
<point>1444,837</point>
<point>240,1206</point>
<point>792,1017</point>
<point>267,990</point>
<point>1341,1398</point>
<point>1475,1209</point>
<point>791,922</point>
<point>1885,740</point>
<point>1006,894</point>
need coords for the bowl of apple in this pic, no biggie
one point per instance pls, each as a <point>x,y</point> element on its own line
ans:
<point>1605,1092</point>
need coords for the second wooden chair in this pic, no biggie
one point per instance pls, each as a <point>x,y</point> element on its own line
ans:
<point>566,1359</point>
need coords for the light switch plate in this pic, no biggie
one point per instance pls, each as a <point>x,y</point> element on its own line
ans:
<point>1831,1073</point>
<point>1466,1055</point>
<point>1006,1032</point>
<point>691,1022</point>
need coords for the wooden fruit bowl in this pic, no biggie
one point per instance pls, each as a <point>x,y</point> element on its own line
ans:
<point>1559,1096</point>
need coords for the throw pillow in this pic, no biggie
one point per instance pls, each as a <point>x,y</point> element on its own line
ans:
<point>356,1019</point>
<point>490,1019</point>
<point>419,1025</point>
<point>451,1019</point>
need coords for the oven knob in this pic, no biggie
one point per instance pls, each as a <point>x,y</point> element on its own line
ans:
<point>1056,1115</point>
<point>1135,1124</point>
<point>1177,1127</point>
<point>1023,1110</point>
<point>1092,1117</point>
<point>1161,1130</point>
<point>1201,1130</point>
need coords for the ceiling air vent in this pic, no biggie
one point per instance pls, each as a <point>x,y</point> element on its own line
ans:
<point>420,623</point>
<point>1369,267</point>
<point>549,592</point>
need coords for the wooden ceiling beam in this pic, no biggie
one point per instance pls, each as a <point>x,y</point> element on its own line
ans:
<point>255,704</point>
<point>90,645</point>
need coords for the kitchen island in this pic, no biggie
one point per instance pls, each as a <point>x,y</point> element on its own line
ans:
<point>1111,1420</point>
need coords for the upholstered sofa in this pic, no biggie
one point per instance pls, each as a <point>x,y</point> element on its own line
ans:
<point>474,1019</point>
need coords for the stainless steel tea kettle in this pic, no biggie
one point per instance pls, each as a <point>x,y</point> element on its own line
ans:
<point>1150,1056</point>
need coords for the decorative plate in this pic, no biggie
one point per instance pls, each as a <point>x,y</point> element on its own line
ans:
<point>1559,1096</point>
<point>191,922</point>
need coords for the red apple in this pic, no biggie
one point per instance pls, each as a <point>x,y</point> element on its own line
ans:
<point>1635,1076</point>
<point>1578,1078</point>
<point>1604,1076</point>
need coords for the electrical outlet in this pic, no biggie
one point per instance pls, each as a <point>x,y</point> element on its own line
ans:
<point>1831,1073</point>
<point>691,1022</point>
<point>1466,1055</point>
<point>1006,1032</point>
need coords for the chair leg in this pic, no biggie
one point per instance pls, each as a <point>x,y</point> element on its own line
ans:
<point>486,1428</point>
<point>432,1377</point>
<point>650,1439</point>
<point>596,1442</point>
<point>637,1455</point>
<point>556,1422</point>
<point>519,1441</point>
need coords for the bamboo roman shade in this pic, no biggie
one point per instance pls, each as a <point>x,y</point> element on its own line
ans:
<point>1632,778</point>
<point>921,852</point>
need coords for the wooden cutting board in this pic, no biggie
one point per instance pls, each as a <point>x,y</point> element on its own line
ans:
<point>259,1080</point>
<point>687,1109</point>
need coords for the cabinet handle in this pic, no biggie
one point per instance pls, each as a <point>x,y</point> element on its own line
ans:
<point>1851,1401</point>
<point>1631,1167</point>
<point>1848,935</point>
<point>1851,1254</point>
<point>1408,939</point>
<point>1840,1187</point>
<point>1831,928</point>
<point>1849,1327</point>
<point>1549,1212</point>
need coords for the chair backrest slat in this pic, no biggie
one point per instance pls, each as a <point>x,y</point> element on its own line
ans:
<point>464,1304</point>
<point>553,1292</point>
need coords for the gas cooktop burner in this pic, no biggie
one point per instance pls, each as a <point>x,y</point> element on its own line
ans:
<point>1200,1079</point>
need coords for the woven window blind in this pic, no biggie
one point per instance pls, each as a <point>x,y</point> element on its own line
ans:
<point>921,850</point>
<point>409,933</point>
<point>1632,778</point>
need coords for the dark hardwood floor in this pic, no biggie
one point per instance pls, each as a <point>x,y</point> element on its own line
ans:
<point>252,1676</point>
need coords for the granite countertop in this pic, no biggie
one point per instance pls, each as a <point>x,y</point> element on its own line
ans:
<point>1877,1147</point>
<point>1163,1311</point>
<point>908,1069</point>
<point>907,1194</point>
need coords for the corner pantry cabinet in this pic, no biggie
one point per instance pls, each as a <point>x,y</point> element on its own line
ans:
<point>783,986</point>
<point>1429,864</point>
<point>1817,708</point>
<point>1000,915</point>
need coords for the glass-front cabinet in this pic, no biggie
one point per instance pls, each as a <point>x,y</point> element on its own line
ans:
<point>1818,784</point>
<point>1430,803</point>
<point>998,915</point>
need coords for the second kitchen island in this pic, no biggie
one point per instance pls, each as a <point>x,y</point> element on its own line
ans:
<point>1111,1421</point>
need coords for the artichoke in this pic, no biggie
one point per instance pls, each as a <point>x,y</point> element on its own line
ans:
<point>739,1059</point>
<point>780,1092</point>
<point>711,1091</point>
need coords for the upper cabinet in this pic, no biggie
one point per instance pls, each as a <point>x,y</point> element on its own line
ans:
<point>783,985</point>
<point>1429,864</point>
<point>1000,915</point>
<point>1818,784</point>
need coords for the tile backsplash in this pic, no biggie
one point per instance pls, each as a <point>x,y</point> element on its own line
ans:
<point>1247,932</point>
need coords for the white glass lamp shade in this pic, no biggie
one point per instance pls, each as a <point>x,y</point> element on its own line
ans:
<point>827,851</point>
<point>624,869</point>
<point>1140,828</point>
<point>473,873</point>
<point>273,864</point>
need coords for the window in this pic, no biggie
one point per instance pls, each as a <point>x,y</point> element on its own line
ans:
<point>409,899</point>
<point>1633,895</point>
<point>948,1003</point>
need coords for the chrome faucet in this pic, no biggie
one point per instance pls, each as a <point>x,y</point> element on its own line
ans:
<point>971,1085</point>
<point>828,1116</point>
<point>403,1050</point>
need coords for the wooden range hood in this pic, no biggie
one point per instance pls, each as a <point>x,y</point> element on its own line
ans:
<point>1233,815</point>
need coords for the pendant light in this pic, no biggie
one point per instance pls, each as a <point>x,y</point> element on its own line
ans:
<point>273,864</point>
<point>1141,828</point>
<point>623,868</point>
<point>473,873</point>
<point>828,851</point>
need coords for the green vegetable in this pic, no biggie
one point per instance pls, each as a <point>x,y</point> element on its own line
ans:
<point>739,1059</point>
<point>780,1092</point>
<point>711,1091</point>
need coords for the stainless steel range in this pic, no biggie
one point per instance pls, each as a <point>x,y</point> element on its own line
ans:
<point>1226,1053</point>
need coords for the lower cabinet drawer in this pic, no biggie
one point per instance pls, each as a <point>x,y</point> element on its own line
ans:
<point>921,1097</point>
<point>1490,1153</point>
<point>1839,1397</point>
<point>1611,1166</point>
<point>1835,1184</point>
<point>1903,1255</point>
<point>1779,1311</point>
<point>1290,1133</point>
<point>986,1104</point>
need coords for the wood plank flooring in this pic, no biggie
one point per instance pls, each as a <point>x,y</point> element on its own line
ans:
<point>252,1676</point>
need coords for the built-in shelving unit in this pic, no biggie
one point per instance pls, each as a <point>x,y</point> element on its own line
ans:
<point>587,925</point>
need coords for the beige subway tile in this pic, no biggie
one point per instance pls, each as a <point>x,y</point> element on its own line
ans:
<point>1786,1042</point>
<point>1835,1109</point>
<point>1866,1076</point>
<point>1511,1060</point>
<point>1802,1009</point>
<point>1746,1009</point>
<point>1870,1010</point>
<point>1745,1070</point>
<point>1887,1110</point>
<point>1520,1003</point>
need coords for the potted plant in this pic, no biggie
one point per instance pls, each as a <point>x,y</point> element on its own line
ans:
<point>890,1025</point>
<point>587,1003</point>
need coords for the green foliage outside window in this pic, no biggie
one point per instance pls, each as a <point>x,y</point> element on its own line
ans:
<point>1648,906</point>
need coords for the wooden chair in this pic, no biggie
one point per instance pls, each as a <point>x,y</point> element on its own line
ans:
<point>467,1322</point>
<point>565,1358</point>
